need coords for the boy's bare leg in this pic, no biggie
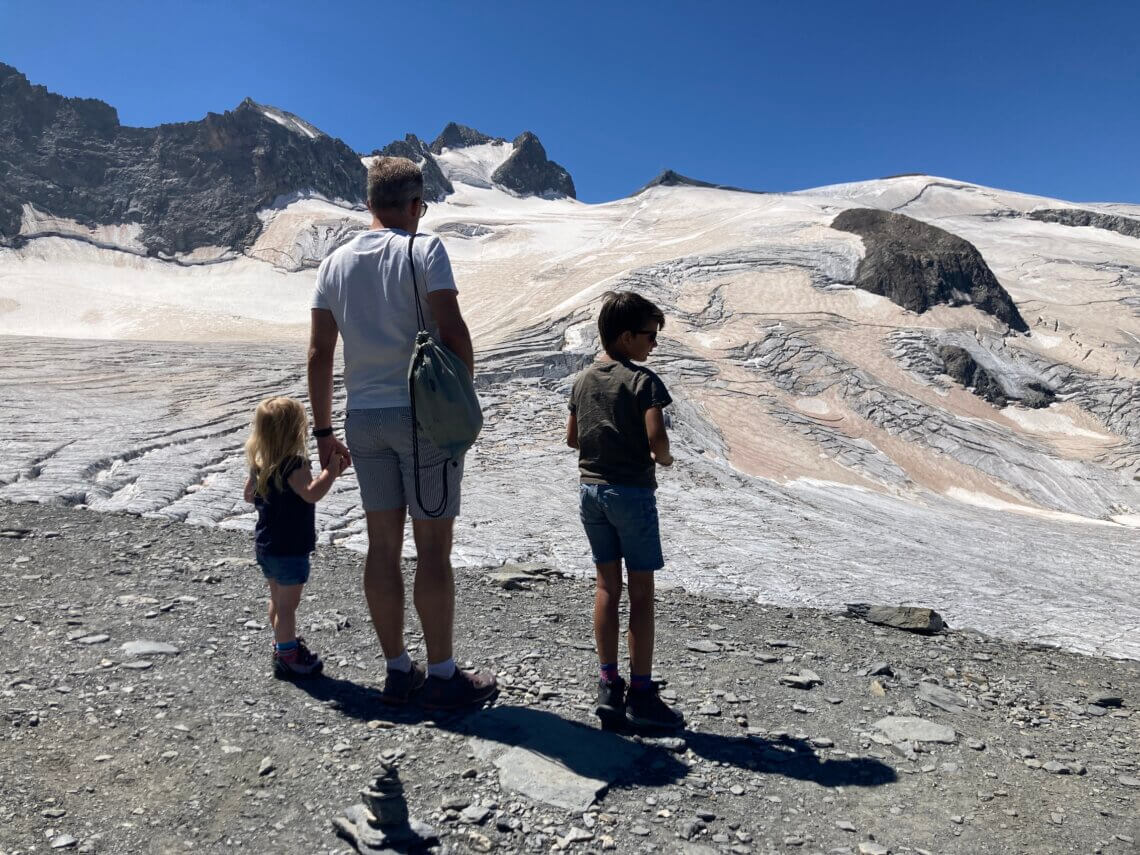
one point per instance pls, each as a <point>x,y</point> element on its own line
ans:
<point>286,598</point>
<point>434,591</point>
<point>607,597</point>
<point>383,584</point>
<point>640,622</point>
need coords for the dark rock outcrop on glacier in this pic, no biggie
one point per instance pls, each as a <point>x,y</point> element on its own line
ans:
<point>455,135</point>
<point>188,184</point>
<point>1126,226</point>
<point>957,362</point>
<point>436,184</point>
<point>529,172</point>
<point>918,265</point>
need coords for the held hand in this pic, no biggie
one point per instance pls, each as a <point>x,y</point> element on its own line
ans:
<point>335,465</point>
<point>327,446</point>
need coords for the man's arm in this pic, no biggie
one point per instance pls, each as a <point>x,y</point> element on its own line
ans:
<point>453,332</point>
<point>658,436</point>
<point>322,347</point>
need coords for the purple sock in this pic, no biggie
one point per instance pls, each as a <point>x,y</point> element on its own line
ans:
<point>609,673</point>
<point>640,682</point>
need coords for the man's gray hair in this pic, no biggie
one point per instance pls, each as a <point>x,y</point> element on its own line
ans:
<point>393,182</point>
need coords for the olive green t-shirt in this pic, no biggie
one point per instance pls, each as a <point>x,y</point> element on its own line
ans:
<point>609,400</point>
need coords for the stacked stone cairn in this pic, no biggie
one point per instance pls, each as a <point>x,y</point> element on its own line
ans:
<point>379,824</point>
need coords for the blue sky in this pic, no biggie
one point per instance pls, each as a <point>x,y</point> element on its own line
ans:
<point>1038,96</point>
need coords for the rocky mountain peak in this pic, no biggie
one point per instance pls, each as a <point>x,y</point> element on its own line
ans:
<point>671,178</point>
<point>284,118</point>
<point>436,185</point>
<point>187,184</point>
<point>455,135</point>
<point>528,171</point>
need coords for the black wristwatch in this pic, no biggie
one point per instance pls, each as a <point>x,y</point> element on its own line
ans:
<point>321,433</point>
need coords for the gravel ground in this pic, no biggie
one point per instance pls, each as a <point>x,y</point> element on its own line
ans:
<point>113,749</point>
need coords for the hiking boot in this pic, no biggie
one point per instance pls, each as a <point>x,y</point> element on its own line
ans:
<point>611,703</point>
<point>296,664</point>
<point>644,708</point>
<point>399,686</point>
<point>463,689</point>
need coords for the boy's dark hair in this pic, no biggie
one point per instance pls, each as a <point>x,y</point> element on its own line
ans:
<point>393,182</point>
<point>625,310</point>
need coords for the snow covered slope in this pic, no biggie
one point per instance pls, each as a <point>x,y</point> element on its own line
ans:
<point>827,451</point>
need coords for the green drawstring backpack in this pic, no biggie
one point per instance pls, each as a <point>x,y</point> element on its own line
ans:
<point>444,404</point>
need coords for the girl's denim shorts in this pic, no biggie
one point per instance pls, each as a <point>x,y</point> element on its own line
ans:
<point>285,569</point>
<point>621,523</point>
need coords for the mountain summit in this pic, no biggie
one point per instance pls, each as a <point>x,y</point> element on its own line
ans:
<point>176,188</point>
<point>185,185</point>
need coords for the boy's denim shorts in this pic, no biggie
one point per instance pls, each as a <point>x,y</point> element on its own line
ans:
<point>285,569</point>
<point>621,522</point>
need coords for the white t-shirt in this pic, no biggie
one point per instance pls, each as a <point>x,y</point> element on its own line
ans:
<point>367,285</point>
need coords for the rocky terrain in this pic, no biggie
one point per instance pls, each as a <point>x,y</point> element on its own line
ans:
<point>138,715</point>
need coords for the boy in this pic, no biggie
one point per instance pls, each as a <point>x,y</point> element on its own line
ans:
<point>617,425</point>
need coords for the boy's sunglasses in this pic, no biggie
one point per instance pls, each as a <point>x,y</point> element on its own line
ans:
<point>423,207</point>
<point>651,333</point>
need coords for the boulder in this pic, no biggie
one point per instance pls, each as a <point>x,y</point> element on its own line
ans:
<point>149,648</point>
<point>918,265</point>
<point>942,698</point>
<point>911,618</point>
<point>913,729</point>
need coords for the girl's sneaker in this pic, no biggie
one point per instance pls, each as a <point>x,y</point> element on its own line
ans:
<point>298,663</point>
<point>646,709</point>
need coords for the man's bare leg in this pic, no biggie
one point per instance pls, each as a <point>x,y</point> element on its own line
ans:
<point>383,584</point>
<point>434,591</point>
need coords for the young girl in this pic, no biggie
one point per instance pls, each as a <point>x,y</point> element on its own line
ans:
<point>281,487</point>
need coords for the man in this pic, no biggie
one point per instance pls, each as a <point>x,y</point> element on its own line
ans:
<point>365,293</point>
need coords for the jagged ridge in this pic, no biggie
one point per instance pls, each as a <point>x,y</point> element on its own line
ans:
<point>436,185</point>
<point>188,184</point>
<point>1126,226</point>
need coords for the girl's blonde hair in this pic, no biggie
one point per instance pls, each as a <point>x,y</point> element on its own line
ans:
<point>279,427</point>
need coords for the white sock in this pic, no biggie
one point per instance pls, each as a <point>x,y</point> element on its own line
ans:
<point>443,670</point>
<point>403,662</point>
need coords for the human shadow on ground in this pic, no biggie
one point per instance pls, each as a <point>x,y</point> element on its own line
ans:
<point>619,760</point>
